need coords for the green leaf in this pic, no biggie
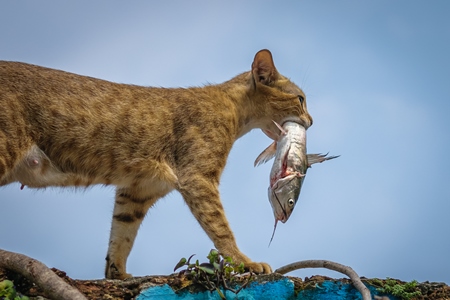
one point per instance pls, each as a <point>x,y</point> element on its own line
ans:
<point>228,270</point>
<point>189,259</point>
<point>213,256</point>
<point>181,263</point>
<point>7,289</point>
<point>217,266</point>
<point>241,268</point>
<point>207,267</point>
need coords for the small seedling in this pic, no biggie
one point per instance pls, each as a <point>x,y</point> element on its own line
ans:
<point>219,272</point>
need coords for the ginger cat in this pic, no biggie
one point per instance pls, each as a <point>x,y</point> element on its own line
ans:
<point>62,129</point>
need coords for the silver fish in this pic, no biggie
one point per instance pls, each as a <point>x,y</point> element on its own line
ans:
<point>289,168</point>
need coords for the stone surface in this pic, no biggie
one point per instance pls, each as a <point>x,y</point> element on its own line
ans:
<point>273,286</point>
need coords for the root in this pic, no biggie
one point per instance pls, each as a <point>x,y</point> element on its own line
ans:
<point>332,266</point>
<point>35,271</point>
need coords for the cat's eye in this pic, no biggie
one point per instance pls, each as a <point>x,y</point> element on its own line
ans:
<point>301,99</point>
<point>291,202</point>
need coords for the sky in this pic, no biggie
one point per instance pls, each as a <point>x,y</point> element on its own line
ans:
<point>376,77</point>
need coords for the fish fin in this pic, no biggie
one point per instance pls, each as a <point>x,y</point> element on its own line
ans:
<point>298,174</point>
<point>284,132</point>
<point>318,158</point>
<point>266,155</point>
<point>274,136</point>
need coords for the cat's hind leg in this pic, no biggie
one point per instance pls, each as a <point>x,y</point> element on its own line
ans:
<point>13,151</point>
<point>130,208</point>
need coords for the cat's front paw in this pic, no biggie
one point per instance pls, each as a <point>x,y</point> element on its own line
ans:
<point>258,268</point>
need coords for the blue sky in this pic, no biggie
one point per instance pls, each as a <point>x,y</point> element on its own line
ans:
<point>376,75</point>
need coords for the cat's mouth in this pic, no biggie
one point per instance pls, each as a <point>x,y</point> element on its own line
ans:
<point>295,120</point>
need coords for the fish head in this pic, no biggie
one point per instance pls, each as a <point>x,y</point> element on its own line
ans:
<point>283,196</point>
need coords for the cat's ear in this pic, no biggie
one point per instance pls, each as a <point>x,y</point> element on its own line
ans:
<point>263,68</point>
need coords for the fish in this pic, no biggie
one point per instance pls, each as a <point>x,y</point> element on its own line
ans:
<point>289,168</point>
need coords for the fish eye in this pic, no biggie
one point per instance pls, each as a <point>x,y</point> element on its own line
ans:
<point>291,202</point>
<point>301,99</point>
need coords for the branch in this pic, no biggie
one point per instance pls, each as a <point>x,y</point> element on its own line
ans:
<point>40,274</point>
<point>332,266</point>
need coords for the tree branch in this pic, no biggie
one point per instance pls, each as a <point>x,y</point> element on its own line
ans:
<point>332,266</point>
<point>40,274</point>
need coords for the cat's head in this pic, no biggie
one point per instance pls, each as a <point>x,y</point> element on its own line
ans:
<point>275,96</point>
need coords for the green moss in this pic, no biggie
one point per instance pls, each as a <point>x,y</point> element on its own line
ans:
<point>8,292</point>
<point>403,290</point>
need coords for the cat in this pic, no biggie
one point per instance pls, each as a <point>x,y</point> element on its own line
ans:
<point>63,129</point>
